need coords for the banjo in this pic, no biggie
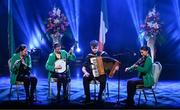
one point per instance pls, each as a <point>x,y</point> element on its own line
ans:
<point>62,62</point>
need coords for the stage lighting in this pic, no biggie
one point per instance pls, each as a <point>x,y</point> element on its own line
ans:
<point>71,8</point>
<point>78,75</point>
<point>136,16</point>
<point>78,50</point>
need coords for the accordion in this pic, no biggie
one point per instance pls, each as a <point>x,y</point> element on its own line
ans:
<point>102,65</point>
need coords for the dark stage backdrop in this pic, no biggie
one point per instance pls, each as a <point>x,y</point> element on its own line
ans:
<point>30,16</point>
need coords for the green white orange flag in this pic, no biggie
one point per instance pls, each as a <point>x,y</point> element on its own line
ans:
<point>103,25</point>
<point>11,44</point>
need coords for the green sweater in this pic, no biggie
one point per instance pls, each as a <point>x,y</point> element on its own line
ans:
<point>52,58</point>
<point>146,70</point>
<point>14,70</point>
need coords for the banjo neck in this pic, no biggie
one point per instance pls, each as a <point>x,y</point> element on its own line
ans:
<point>72,47</point>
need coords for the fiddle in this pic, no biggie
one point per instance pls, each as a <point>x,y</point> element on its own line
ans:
<point>140,62</point>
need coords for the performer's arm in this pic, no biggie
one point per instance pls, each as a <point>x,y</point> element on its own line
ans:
<point>130,68</point>
<point>50,63</point>
<point>86,74</point>
<point>85,65</point>
<point>28,63</point>
<point>104,54</point>
<point>146,67</point>
<point>71,56</point>
<point>15,63</point>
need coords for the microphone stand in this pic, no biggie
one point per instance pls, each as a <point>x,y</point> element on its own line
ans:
<point>118,101</point>
<point>121,54</point>
<point>118,98</point>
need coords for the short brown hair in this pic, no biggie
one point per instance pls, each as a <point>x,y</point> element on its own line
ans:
<point>56,45</point>
<point>94,43</point>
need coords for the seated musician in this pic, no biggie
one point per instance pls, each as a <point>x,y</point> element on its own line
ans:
<point>88,75</point>
<point>20,71</point>
<point>144,67</point>
<point>62,78</point>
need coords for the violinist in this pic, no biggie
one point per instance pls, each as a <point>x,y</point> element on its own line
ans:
<point>144,67</point>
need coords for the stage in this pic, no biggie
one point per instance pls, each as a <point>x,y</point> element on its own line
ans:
<point>31,29</point>
<point>167,93</point>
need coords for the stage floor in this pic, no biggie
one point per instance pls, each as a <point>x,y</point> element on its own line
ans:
<point>167,93</point>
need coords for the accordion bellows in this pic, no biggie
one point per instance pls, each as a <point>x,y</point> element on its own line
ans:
<point>102,65</point>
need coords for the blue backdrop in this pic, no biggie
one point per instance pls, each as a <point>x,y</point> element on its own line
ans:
<point>124,17</point>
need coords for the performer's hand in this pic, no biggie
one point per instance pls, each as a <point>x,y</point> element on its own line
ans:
<point>59,67</point>
<point>22,60</point>
<point>86,74</point>
<point>71,51</point>
<point>117,68</point>
<point>17,61</point>
<point>135,66</point>
<point>127,69</point>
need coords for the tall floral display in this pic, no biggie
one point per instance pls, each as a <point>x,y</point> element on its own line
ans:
<point>57,24</point>
<point>151,29</point>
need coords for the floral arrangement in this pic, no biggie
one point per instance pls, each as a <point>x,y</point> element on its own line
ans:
<point>57,24</point>
<point>152,26</point>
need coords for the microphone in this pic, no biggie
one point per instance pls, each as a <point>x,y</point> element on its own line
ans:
<point>29,51</point>
<point>134,54</point>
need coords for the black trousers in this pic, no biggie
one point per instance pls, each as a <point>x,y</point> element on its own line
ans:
<point>131,88</point>
<point>29,81</point>
<point>86,84</point>
<point>62,79</point>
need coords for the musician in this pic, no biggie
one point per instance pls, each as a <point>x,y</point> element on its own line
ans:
<point>87,72</point>
<point>144,67</point>
<point>63,78</point>
<point>20,71</point>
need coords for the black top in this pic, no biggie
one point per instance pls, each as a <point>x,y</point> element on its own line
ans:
<point>87,62</point>
<point>23,70</point>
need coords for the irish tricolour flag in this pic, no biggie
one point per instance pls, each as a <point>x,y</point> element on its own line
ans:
<point>103,25</point>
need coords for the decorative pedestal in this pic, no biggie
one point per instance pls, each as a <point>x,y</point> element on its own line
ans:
<point>151,44</point>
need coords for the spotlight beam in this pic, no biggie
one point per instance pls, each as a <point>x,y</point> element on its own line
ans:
<point>136,19</point>
<point>71,8</point>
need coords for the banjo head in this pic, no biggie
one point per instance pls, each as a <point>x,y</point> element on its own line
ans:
<point>62,63</point>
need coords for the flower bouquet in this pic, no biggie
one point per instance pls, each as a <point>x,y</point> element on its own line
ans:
<point>57,24</point>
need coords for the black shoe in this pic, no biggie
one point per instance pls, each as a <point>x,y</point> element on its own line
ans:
<point>87,101</point>
<point>124,101</point>
<point>100,100</point>
<point>65,99</point>
<point>31,99</point>
<point>27,100</point>
<point>58,97</point>
<point>129,105</point>
<point>128,102</point>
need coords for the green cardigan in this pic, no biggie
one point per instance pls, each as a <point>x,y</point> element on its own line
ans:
<point>146,70</point>
<point>14,70</point>
<point>52,58</point>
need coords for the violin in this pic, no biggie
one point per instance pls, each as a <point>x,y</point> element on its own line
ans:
<point>140,62</point>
